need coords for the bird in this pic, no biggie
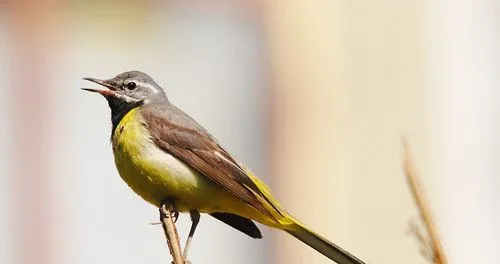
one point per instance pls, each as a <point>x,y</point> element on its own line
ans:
<point>164,154</point>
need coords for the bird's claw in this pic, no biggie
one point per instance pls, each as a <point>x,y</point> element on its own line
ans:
<point>169,205</point>
<point>175,215</point>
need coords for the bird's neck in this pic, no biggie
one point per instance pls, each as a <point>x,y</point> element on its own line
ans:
<point>118,110</point>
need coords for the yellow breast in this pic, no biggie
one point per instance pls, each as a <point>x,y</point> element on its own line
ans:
<point>156,175</point>
<point>149,171</point>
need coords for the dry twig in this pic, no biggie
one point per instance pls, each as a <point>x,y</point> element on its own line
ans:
<point>412,177</point>
<point>167,222</point>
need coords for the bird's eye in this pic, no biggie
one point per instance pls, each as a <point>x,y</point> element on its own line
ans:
<point>131,85</point>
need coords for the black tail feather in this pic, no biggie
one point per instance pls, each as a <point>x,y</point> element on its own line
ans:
<point>242,224</point>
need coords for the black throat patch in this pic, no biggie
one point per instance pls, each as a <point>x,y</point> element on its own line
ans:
<point>119,109</point>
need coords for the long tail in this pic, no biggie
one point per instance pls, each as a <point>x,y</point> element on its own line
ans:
<point>321,244</point>
<point>300,231</point>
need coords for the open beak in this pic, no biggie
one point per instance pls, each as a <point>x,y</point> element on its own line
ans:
<point>111,91</point>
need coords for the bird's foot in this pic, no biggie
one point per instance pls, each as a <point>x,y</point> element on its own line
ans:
<point>171,208</point>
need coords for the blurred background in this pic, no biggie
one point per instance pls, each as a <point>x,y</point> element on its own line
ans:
<point>314,96</point>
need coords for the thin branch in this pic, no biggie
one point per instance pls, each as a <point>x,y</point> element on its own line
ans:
<point>412,178</point>
<point>166,218</point>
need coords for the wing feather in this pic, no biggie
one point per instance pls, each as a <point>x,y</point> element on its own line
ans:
<point>194,146</point>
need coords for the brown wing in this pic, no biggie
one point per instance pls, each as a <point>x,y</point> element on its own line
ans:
<point>190,143</point>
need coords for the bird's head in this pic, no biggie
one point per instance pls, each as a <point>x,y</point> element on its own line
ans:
<point>128,89</point>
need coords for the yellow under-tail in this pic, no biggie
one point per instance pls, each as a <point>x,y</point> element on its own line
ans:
<point>156,175</point>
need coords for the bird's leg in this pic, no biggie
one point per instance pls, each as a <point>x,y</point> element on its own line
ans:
<point>195,218</point>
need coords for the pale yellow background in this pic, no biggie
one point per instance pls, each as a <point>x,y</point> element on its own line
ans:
<point>314,96</point>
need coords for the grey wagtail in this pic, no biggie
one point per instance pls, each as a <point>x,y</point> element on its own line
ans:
<point>164,154</point>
